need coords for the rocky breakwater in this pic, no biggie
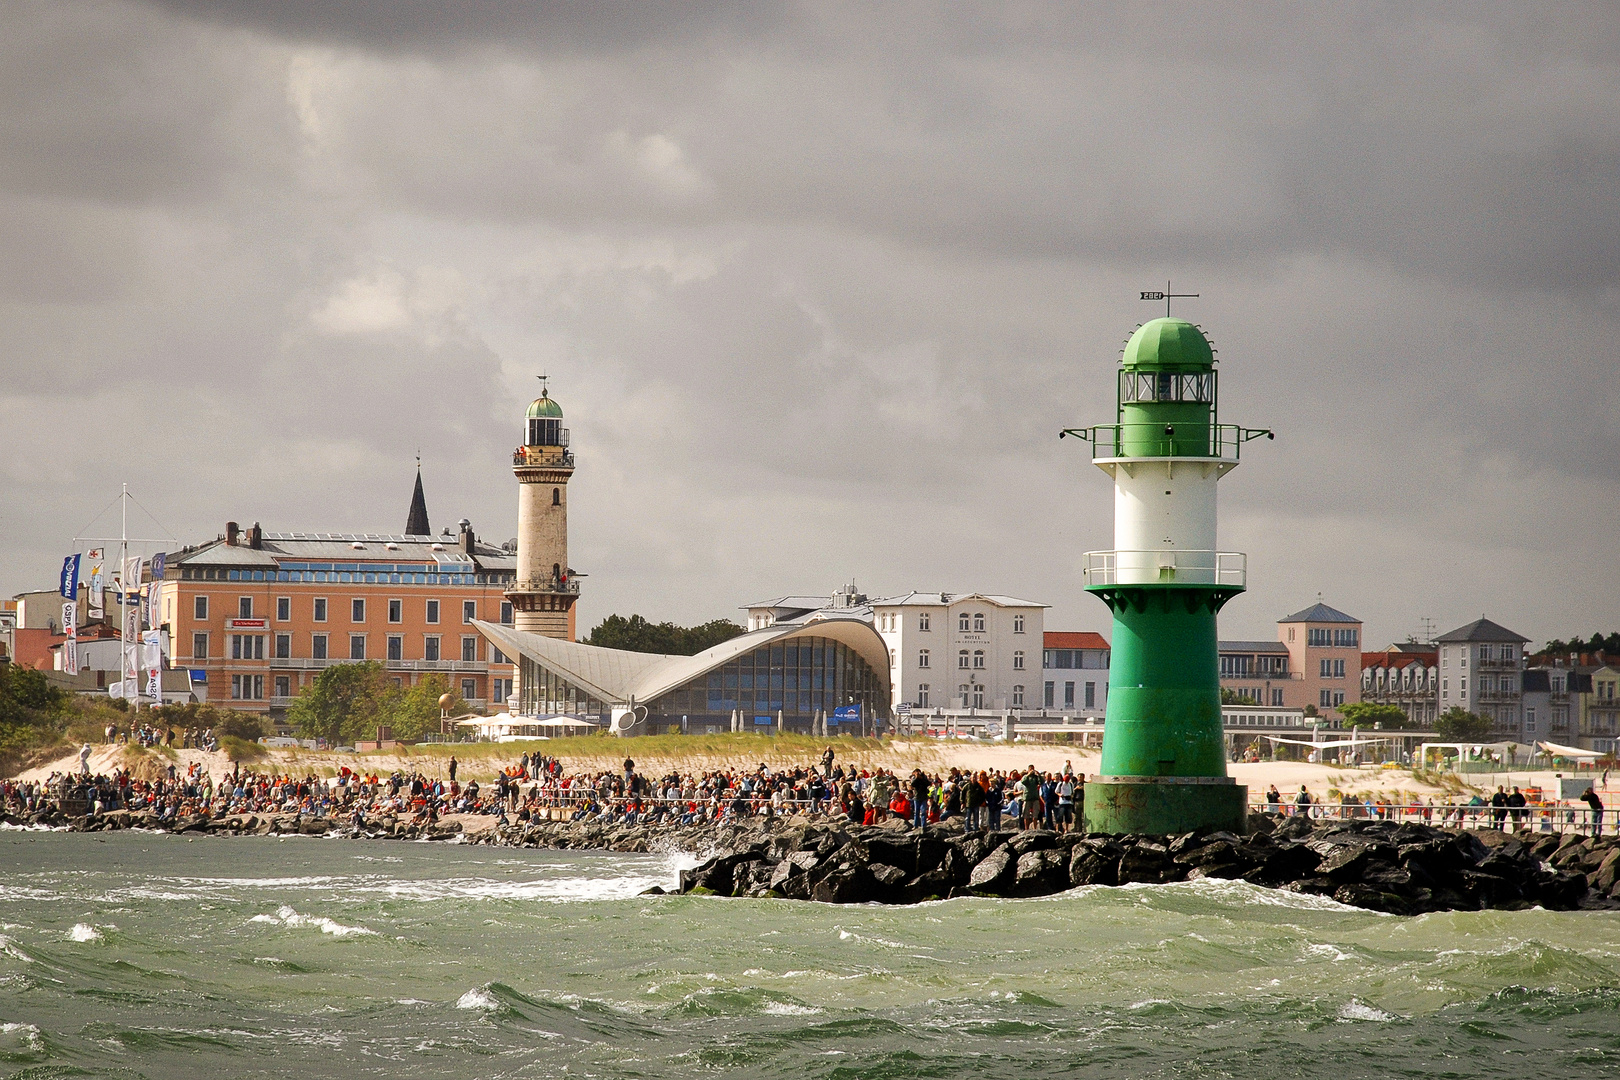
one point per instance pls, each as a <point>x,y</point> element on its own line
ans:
<point>1403,869</point>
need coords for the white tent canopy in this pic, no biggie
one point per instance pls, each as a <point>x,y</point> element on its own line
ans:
<point>1568,751</point>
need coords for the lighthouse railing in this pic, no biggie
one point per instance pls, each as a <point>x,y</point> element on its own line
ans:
<point>1173,566</point>
<point>1214,442</point>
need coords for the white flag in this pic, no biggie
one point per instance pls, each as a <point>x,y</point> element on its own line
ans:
<point>70,647</point>
<point>152,655</point>
<point>97,610</point>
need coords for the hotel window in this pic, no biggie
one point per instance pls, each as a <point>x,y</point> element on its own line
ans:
<point>1484,654</point>
<point>978,659</point>
<point>506,612</point>
<point>978,696</point>
<point>244,607</point>
<point>469,610</point>
<point>247,647</point>
<point>199,608</point>
<point>430,648</point>
<point>283,686</point>
<point>283,610</point>
<point>320,609</point>
<point>978,622</point>
<point>357,646</point>
<point>357,611</point>
<point>1462,687</point>
<point>1068,695</point>
<point>922,695</point>
<point>922,621</point>
<point>1018,661</point>
<point>962,622</point>
<point>1047,694</point>
<point>922,658</point>
<point>1338,698</point>
<point>199,646</point>
<point>432,611</point>
<point>396,611</point>
<point>396,647</point>
<point>1091,695</point>
<point>503,689</point>
<point>1276,697</point>
<point>283,647</point>
<point>1325,699</point>
<point>469,650</point>
<point>1018,696</point>
<point>962,660</point>
<point>1018,624</point>
<point>247,687</point>
<point>317,646</point>
<point>469,689</point>
<point>496,656</point>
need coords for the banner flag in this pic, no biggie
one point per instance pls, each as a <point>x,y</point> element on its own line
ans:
<point>132,657</point>
<point>70,647</point>
<point>97,586</point>
<point>152,655</point>
<point>157,565</point>
<point>69,587</point>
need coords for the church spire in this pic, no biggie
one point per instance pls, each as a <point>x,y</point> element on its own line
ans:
<point>416,522</point>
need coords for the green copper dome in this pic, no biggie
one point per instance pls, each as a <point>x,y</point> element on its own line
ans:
<point>544,408</point>
<point>1168,343</point>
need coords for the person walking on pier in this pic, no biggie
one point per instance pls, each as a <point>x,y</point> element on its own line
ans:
<point>1590,798</point>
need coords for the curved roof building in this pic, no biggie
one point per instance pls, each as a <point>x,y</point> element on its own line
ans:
<point>797,671</point>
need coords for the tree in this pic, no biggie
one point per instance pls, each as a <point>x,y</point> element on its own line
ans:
<point>1457,724</point>
<point>1366,714</point>
<point>636,634</point>
<point>1232,697</point>
<point>413,711</point>
<point>343,703</point>
<point>1609,644</point>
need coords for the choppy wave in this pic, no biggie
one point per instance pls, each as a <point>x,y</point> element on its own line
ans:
<point>286,916</point>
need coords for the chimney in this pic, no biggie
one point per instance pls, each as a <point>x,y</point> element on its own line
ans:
<point>466,537</point>
<point>255,537</point>
<point>230,533</point>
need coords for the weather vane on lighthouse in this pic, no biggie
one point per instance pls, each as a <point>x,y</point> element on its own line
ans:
<point>543,378</point>
<point>1167,296</point>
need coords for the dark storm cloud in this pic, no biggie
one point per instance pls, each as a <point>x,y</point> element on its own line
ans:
<point>819,283</point>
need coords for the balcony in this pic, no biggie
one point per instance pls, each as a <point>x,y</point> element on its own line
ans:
<point>545,585</point>
<point>1165,567</point>
<point>282,702</point>
<point>305,663</point>
<point>1212,442</point>
<point>542,457</point>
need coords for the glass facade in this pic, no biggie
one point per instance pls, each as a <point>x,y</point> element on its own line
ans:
<point>544,693</point>
<point>795,677</point>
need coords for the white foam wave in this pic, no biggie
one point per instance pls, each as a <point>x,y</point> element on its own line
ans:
<point>1329,951</point>
<point>1353,1010</point>
<point>11,949</point>
<point>84,932</point>
<point>30,1035</point>
<point>788,1008</point>
<point>286,916</point>
<point>478,998</point>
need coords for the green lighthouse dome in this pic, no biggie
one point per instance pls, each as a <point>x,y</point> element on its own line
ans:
<point>543,408</point>
<point>1173,344</point>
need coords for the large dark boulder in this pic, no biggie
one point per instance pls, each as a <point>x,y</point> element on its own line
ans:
<point>1095,861</point>
<point>994,871</point>
<point>1148,862</point>
<point>1040,873</point>
<point>847,884</point>
<point>1033,840</point>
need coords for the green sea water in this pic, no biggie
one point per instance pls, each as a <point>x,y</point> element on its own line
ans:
<point>144,955</point>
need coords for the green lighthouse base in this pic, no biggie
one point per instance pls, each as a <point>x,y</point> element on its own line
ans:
<point>1163,805</point>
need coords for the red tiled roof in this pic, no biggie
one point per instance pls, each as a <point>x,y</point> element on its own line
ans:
<point>1397,659</point>
<point>1064,639</point>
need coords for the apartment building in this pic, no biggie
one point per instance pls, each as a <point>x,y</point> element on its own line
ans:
<point>1074,674</point>
<point>1407,677</point>
<point>1261,671</point>
<point>255,616</point>
<point>1324,649</point>
<point>1482,669</point>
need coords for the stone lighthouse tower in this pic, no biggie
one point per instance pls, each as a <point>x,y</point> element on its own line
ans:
<point>544,593</point>
<point>1163,764</point>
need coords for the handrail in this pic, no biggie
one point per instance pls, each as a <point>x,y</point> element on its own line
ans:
<point>1218,442</point>
<point>1548,818</point>
<point>1180,566</point>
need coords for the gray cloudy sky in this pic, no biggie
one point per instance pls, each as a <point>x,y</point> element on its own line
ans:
<point>818,284</point>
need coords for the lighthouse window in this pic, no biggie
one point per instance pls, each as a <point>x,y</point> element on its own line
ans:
<point>1166,386</point>
<point>556,496</point>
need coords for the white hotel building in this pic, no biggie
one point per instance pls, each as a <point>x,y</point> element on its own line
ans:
<point>948,652</point>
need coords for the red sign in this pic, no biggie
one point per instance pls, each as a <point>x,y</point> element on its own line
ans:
<point>247,624</point>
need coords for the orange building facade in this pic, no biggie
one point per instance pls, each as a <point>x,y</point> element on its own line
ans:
<point>257,616</point>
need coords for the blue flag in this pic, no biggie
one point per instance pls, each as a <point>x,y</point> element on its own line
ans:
<point>70,578</point>
<point>157,565</point>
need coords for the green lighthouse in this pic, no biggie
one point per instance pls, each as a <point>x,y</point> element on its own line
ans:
<point>1163,764</point>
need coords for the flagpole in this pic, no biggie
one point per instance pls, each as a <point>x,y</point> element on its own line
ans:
<point>123,594</point>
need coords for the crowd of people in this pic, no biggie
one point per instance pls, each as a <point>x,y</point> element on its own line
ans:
<point>538,787</point>
<point>150,735</point>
